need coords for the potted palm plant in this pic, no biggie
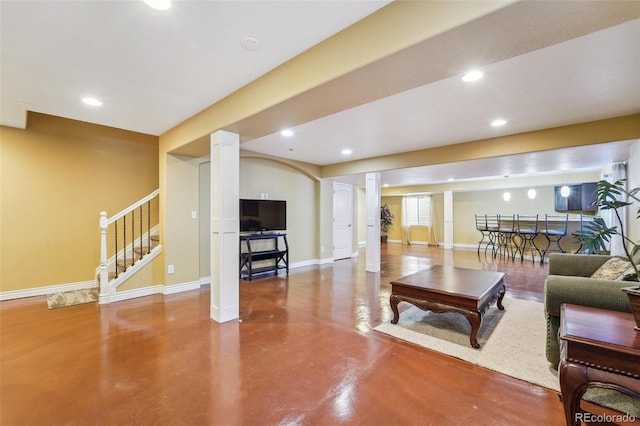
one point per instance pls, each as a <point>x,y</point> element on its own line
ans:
<point>596,234</point>
<point>386,222</point>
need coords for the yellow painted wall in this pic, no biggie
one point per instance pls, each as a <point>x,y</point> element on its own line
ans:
<point>183,237</point>
<point>468,203</point>
<point>181,240</point>
<point>56,177</point>
<point>283,182</point>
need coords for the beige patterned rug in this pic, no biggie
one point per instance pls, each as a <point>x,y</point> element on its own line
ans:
<point>512,342</point>
<point>73,297</point>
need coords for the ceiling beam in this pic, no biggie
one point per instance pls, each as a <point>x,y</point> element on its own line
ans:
<point>594,132</point>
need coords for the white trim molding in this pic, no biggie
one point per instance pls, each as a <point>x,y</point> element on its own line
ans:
<point>43,291</point>
<point>118,296</point>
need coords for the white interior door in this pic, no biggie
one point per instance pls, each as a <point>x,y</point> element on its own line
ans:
<point>342,220</point>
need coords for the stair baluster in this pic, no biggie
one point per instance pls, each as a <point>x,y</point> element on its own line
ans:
<point>121,247</point>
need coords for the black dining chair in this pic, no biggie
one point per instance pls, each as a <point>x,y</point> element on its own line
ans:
<point>507,246</point>
<point>527,231</point>
<point>481,226</point>
<point>555,228</point>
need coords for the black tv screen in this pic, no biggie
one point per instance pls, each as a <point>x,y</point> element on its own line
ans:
<point>263,215</point>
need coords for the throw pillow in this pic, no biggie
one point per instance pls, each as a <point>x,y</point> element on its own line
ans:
<point>612,269</point>
<point>629,274</point>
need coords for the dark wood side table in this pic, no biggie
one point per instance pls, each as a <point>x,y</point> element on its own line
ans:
<point>599,348</point>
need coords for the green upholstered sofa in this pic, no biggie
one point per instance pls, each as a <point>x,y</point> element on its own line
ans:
<point>569,282</point>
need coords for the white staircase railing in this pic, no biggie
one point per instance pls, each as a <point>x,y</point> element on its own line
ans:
<point>127,251</point>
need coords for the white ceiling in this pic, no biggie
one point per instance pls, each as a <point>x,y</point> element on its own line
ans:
<point>154,69</point>
<point>593,77</point>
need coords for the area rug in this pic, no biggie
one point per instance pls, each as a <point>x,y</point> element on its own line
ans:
<point>512,342</point>
<point>73,297</point>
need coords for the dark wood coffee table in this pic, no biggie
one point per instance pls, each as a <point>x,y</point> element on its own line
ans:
<point>449,289</point>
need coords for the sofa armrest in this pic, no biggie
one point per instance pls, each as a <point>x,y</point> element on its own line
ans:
<point>577,265</point>
<point>603,294</point>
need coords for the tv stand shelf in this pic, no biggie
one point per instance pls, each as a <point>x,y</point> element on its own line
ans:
<point>272,258</point>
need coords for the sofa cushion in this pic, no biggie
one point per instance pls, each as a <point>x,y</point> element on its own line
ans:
<point>613,269</point>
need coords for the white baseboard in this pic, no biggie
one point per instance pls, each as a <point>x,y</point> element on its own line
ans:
<point>43,291</point>
<point>303,263</point>
<point>130,294</point>
<point>151,290</point>
<point>179,288</point>
<point>466,246</point>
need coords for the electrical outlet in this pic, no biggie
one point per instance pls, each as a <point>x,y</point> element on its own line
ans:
<point>170,269</point>
<point>194,214</point>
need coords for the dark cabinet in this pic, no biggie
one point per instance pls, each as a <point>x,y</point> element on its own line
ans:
<point>589,196</point>
<point>581,198</point>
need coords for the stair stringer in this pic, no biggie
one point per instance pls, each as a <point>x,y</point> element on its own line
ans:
<point>113,285</point>
<point>129,250</point>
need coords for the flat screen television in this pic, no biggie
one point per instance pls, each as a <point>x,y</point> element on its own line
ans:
<point>263,215</point>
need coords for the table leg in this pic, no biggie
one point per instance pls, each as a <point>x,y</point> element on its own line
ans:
<point>573,385</point>
<point>475,320</point>
<point>499,302</point>
<point>393,300</point>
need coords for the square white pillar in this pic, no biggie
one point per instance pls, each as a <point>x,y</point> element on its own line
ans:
<point>448,220</point>
<point>225,226</point>
<point>372,196</point>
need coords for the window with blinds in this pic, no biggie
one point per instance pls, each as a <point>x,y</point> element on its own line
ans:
<point>418,210</point>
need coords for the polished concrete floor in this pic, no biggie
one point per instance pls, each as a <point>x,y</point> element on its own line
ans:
<point>303,353</point>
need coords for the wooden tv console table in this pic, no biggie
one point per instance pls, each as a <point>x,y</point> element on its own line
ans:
<point>272,258</point>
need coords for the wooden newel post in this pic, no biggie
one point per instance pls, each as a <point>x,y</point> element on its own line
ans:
<point>104,274</point>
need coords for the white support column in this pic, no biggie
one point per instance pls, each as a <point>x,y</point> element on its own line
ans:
<point>225,228</point>
<point>373,222</point>
<point>448,220</point>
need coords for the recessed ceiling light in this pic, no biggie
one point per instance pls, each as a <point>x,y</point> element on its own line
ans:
<point>346,151</point>
<point>450,179</point>
<point>158,4</point>
<point>498,122</point>
<point>531,194</point>
<point>92,101</point>
<point>473,75</point>
<point>386,185</point>
<point>287,133</point>
<point>506,196</point>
